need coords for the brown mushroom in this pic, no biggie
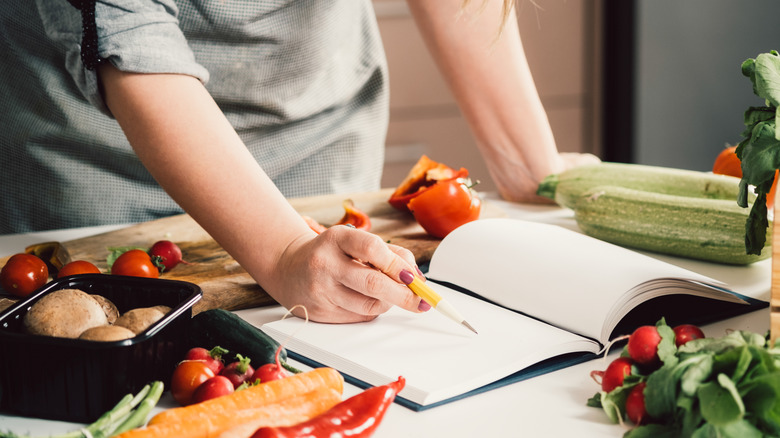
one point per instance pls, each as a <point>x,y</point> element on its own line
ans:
<point>106,333</point>
<point>64,313</point>
<point>140,319</point>
<point>112,313</point>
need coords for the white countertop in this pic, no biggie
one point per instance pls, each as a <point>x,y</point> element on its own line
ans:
<point>548,405</point>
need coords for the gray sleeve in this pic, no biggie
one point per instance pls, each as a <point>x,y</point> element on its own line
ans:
<point>140,36</point>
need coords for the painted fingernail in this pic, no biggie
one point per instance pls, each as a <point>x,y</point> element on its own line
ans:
<point>423,306</point>
<point>419,271</point>
<point>406,277</point>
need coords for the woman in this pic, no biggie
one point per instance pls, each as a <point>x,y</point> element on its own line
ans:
<point>222,109</point>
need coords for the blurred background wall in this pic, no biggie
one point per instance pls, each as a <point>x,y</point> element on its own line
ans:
<point>646,81</point>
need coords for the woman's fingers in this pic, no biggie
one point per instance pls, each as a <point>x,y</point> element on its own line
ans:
<point>374,275</point>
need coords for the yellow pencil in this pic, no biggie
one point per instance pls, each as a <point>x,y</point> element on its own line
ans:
<point>437,302</point>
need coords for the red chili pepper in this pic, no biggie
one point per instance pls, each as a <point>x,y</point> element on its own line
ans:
<point>355,417</point>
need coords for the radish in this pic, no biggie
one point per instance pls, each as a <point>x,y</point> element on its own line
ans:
<point>270,371</point>
<point>686,332</point>
<point>166,254</point>
<point>239,371</point>
<point>643,345</point>
<point>615,373</point>
<point>212,358</point>
<point>635,404</point>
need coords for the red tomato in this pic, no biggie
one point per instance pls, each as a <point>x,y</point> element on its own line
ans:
<point>445,206</point>
<point>187,377</point>
<point>23,274</point>
<point>214,387</point>
<point>686,332</point>
<point>136,263</point>
<point>78,267</point>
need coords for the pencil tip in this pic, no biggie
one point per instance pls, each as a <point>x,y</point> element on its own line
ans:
<point>468,326</point>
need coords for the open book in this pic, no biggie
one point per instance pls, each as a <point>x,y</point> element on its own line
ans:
<point>541,297</point>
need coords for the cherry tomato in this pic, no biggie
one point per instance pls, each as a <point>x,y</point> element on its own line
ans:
<point>214,387</point>
<point>78,267</point>
<point>686,332</point>
<point>268,372</point>
<point>187,377</point>
<point>166,253</point>
<point>23,274</point>
<point>136,263</point>
<point>354,216</point>
<point>445,206</point>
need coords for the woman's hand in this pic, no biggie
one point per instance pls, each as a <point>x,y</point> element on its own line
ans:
<point>516,183</point>
<point>342,275</point>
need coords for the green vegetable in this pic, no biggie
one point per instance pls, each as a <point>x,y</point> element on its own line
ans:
<point>129,413</point>
<point>568,186</point>
<point>220,327</point>
<point>759,151</point>
<point>728,387</point>
<point>704,229</point>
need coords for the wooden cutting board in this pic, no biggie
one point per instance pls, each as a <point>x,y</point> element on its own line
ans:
<point>227,285</point>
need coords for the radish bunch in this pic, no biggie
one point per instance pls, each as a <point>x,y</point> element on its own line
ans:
<point>625,377</point>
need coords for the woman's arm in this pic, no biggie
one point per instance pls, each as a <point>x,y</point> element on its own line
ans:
<point>489,76</point>
<point>190,148</point>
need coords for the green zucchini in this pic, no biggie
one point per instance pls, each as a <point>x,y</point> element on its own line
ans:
<point>218,327</point>
<point>705,229</point>
<point>569,185</point>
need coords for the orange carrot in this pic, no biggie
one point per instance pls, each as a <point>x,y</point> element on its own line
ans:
<point>255,396</point>
<point>289,411</point>
<point>320,404</point>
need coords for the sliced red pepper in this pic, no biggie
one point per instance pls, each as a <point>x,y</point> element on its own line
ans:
<point>355,417</point>
<point>424,174</point>
<point>354,216</point>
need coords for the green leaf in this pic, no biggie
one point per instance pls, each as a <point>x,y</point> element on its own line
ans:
<point>767,77</point>
<point>595,401</point>
<point>720,402</point>
<point>614,402</point>
<point>738,429</point>
<point>667,349</point>
<point>661,393</point>
<point>652,431</point>
<point>714,345</point>
<point>699,370</point>
<point>760,149</point>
